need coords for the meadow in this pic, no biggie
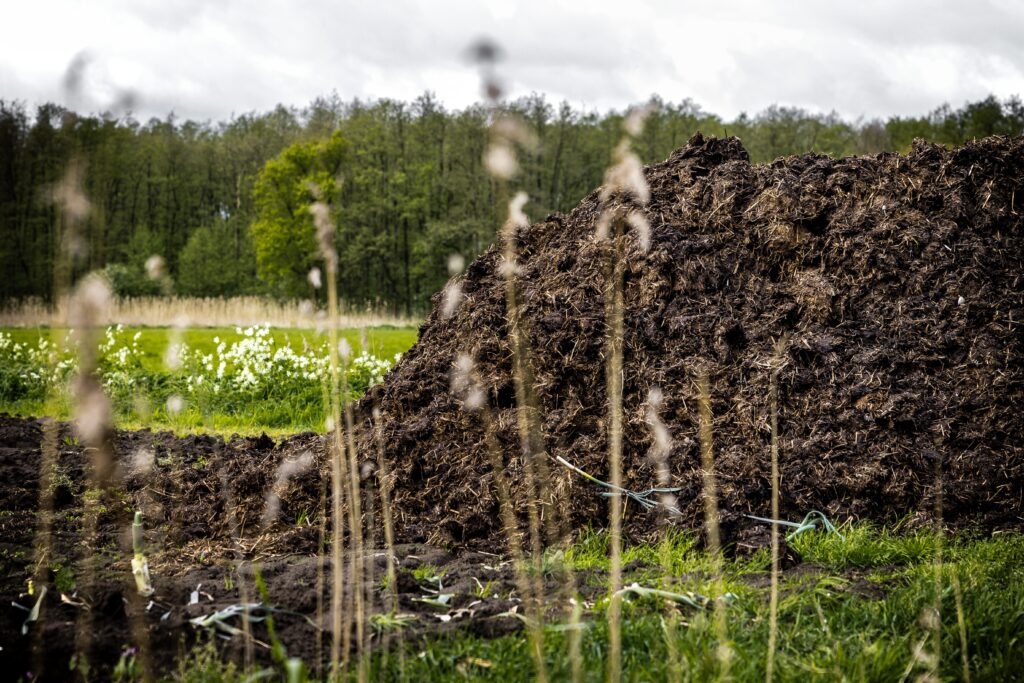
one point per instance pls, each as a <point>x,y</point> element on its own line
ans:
<point>220,379</point>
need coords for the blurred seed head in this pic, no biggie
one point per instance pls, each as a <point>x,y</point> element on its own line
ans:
<point>324,233</point>
<point>288,468</point>
<point>366,469</point>
<point>512,129</point>
<point>516,216</point>
<point>507,267</point>
<point>344,350</point>
<point>450,299</point>
<point>485,51</point>
<point>143,461</point>
<point>500,161</point>
<point>639,223</point>
<point>156,267</point>
<point>306,308</point>
<point>173,354</point>
<point>625,176</point>
<point>94,414</point>
<point>175,404</point>
<point>456,262</point>
<point>314,277</point>
<point>464,384</point>
<point>90,302</point>
<point>74,75</point>
<point>474,399</point>
<point>603,229</point>
<point>69,196</point>
<point>637,117</point>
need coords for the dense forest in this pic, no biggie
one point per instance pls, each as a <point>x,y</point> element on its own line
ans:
<point>408,185</point>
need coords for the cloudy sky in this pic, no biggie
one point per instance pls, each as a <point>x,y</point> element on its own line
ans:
<point>209,59</point>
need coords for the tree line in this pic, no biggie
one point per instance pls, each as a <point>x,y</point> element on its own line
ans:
<point>411,186</point>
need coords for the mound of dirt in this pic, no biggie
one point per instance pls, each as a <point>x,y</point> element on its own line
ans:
<point>897,278</point>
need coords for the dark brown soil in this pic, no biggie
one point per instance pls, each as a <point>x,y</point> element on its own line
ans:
<point>899,280</point>
<point>194,545</point>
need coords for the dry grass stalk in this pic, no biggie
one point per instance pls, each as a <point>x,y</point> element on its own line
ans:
<point>357,559</point>
<point>773,603</point>
<point>340,642</point>
<point>965,660</point>
<point>661,448</point>
<point>625,177</point>
<point>389,535</point>
<point>243,587</point>
<point>714,546</point>
<point>614,313</point>
<point>934,662</point>
<point>44,528</point>
<point>466,385</point>
<point>532,450</point>
<point>202,312</point>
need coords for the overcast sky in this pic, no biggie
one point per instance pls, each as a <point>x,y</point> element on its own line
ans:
<point>209,59</point>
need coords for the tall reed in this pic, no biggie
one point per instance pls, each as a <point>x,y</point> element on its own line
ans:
<point>723,649</point>
<point>614,313</point>
<point>242,311</point>
<point>340,631</point>
<point>467,386</point>
<point>624,180</point>
<point>773,604</point>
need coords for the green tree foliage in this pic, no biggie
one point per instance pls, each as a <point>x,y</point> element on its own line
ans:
<point>211,264</point>
<point>283,233</point>
<point>226,204</point>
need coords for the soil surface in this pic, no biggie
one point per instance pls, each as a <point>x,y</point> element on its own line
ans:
<point>896,281</point>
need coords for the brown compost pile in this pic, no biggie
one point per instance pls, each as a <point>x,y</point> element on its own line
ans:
<point>897,278</point>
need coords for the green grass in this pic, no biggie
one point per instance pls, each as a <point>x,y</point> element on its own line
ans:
<point>853,611</point>
<point>383,342</point>
<point>302,413</point>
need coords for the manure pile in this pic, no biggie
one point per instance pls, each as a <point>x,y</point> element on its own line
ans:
<point>897,278</point>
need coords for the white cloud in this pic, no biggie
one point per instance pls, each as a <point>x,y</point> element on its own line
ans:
<point>211,58</point>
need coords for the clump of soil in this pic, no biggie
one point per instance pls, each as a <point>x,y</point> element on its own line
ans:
<point>898,280</point>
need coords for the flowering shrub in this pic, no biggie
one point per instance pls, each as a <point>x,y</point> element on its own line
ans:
<point>120,365</point>
<point>238,377</point>
<point>28,372</point>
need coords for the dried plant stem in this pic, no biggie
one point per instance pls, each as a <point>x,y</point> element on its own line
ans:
<point>965,660</point>
<point>614,313</point>
<point>96,438</point>
<point>724,653</point>
<point>531,597</point>
<point>340,637</point>
<point>935,661</point>
<point>387,518</point>
<point>243,586</point>
<point>389,536</point>
<point>773,603</point>
<point>356,546</point>
<point>543,514</point>
<point>44,529</point>
<point>531,448</point>
<point>320,553</point>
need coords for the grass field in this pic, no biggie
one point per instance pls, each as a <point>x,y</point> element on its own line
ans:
<point>151,383</point>
<point>383,342</point>
<point>861,607</point>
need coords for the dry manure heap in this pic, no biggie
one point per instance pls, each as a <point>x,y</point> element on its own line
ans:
<point>898,279</point>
